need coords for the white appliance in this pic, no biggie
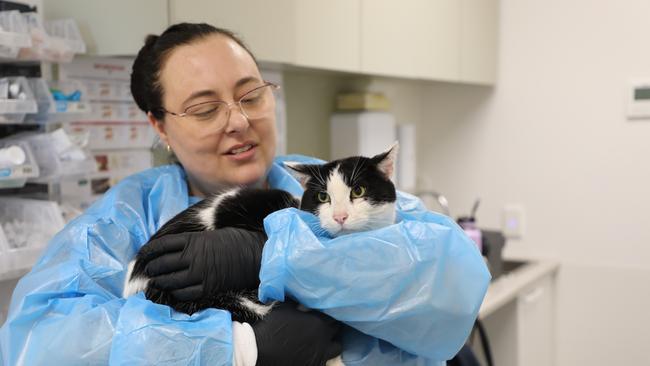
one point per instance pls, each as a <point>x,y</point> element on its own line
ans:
<point>363,133</point>
<point>406,158</point>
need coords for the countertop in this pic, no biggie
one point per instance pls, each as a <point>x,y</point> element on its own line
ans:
<point>508,286</point>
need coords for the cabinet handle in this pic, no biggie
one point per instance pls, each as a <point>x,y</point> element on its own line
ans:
<point>534,295</point>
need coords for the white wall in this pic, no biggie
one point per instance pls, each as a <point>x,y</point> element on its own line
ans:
<point>553,137</point>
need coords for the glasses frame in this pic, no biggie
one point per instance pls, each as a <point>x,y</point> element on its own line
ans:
<point>228,105</point>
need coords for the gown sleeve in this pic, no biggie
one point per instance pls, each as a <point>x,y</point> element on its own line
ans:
<point>411,291</point>
<point>68,309</point>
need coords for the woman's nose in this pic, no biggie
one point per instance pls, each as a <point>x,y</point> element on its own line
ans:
<point>237,121</point>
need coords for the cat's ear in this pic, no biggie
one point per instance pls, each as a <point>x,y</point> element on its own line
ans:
<point>299,171</point>
<point>386,161</point>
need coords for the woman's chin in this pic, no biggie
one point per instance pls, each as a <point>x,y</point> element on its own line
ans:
<point>249,176</point>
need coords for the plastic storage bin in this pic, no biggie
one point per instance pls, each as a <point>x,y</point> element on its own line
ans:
<point>27,226</point>
<point>44,46</point>
<point>16,99</point>
<point>16,176</point>
<point>67,108</point>
<point>14,34</point>
<point>57,156</point>
<point>69,98</point>
<point>68,31</point>
<point>43,99</point>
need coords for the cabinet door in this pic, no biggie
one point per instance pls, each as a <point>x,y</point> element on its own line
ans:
<point>411,38</point>
<point>535,321</point>
<point>327,34</point>
<point>479,41</point>
<point>118,27</point>
<point>267,27</point>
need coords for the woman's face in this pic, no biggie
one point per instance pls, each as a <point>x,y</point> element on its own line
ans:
<point>209,69</point>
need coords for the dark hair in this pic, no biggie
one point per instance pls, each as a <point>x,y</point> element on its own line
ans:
<point>145,74</point>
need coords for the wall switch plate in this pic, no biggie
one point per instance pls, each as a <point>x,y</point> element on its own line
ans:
<point>514,221</point>
<point>638,104</point>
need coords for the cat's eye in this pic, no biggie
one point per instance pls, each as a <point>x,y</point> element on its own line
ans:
<point>358,192</point>
<point>323,197</point>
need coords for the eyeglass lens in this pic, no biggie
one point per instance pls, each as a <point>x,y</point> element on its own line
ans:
<point>255,104</point>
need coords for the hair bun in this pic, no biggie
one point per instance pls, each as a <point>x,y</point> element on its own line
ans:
<point>150,40</point>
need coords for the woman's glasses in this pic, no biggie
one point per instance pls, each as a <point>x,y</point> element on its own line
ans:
<point>255,104</point>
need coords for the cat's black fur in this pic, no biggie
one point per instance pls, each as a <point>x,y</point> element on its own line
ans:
<point>359,170</point>
<point>247,209</point>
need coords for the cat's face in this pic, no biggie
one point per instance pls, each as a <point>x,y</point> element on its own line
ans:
<point>351,194</point>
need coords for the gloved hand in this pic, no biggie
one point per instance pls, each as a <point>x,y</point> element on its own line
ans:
<point>190,265</point>
<point>288,336</point>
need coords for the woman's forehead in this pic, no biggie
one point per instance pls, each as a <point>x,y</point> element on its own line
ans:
<point>213,63</point>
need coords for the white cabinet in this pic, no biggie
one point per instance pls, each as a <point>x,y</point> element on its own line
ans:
<point>479,40</point>
<point>310,33</point>
<point>411,38</point>
<point>327,34</point>
<point>535,324</point>
<point>267,27</point>
<point>449,40</point>
<point>116,27</point>
<point>519,316</point>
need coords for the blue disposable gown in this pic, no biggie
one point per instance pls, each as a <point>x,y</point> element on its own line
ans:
<point>68,311</point>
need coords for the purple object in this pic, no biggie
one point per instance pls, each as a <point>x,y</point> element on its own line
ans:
<point>474,233</point>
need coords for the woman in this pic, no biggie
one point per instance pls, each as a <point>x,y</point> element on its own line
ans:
<point>193,82</point>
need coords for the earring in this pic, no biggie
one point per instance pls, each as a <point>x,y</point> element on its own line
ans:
<point>169,148</point>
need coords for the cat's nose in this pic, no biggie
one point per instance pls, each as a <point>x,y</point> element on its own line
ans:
<point>340,217</point>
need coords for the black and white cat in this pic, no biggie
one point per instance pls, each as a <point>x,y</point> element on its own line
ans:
<point>347,195</point>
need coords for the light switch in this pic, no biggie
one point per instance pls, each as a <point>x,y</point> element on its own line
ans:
<point>638,105</point>
<point>514,221</point>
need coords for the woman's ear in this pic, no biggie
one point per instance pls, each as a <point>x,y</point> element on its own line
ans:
<point>159,127</point>
<point>299,171</point>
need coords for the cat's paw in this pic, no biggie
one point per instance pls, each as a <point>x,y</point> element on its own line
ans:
<point>337,361</point>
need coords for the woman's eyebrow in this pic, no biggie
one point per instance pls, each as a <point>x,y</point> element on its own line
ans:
<point>212,93</point>
<point>246,80</point>
<point>199,94</point>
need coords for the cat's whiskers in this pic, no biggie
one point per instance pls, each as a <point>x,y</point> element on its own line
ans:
<point>357,171</point>
<point>316,173</point>
<point>354,170</point>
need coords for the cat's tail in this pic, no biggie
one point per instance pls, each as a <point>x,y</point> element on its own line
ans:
<point>135,284</point>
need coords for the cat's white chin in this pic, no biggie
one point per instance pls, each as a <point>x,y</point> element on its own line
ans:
<point>365,217</point>
<point>336,232</point>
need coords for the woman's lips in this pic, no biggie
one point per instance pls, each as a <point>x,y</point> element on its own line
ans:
<point>240,149</point>
<point>242,152</point>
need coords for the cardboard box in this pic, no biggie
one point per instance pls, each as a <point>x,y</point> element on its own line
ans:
<point>107,90</point>
<point>122,162</point>
<point>114,135</point>
<point>115,112</point>
<point>112,166</point>
<point>97,68</point>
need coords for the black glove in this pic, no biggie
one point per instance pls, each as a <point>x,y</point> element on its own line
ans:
<point>288,336</point>
<point>191,265</point>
